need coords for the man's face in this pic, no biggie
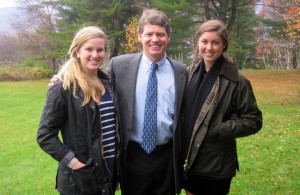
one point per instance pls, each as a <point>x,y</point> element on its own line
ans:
<point>154,40</point>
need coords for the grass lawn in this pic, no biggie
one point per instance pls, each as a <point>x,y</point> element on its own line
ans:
<point>269,160</point>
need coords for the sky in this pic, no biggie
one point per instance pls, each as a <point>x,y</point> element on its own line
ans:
<point>7,3</point>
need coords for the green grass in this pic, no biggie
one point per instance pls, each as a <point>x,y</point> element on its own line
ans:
<point>24,167</point>
<point>269,160</point>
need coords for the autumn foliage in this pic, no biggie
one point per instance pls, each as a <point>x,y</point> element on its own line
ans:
<point>132,43</point>
<point>292,19</point>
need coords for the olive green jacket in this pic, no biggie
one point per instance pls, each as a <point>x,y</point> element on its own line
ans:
<point>212,149</point>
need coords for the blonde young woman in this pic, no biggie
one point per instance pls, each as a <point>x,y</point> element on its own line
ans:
<point>219,106</point>
<point>80,106</point>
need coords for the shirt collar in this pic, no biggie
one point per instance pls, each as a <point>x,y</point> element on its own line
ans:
<point>148,62</point>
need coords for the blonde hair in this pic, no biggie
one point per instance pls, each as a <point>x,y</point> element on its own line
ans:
<point>72,72</point>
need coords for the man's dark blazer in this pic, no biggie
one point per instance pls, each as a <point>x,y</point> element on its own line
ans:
<point>123,72</point>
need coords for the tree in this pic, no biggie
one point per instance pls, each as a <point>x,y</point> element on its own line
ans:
<point>10,51</point>
<point>111,16</point>
<point>292,31</point>
<point>278,43</point>
<point>263,33</point>
<point>32,31</point>
<point>181,14</point>
<point>240,20</point>
<point>224,10</point>
<point>242,41</point>
<point>132,43</point>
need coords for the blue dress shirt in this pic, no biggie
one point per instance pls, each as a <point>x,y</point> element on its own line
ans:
<point>165,100</point>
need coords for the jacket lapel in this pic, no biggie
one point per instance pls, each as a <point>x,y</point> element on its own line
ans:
<point>130,69</point>
<point>180,82</point>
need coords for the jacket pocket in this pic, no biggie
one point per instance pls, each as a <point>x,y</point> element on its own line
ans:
<point>85,179</point>
<point>209,160</point>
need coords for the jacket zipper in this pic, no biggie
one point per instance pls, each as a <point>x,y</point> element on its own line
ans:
<point>186,162</point>
<point>102,156</point>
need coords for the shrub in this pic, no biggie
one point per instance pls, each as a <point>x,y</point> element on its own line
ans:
<point>24,73</point>
<point>30,62</point>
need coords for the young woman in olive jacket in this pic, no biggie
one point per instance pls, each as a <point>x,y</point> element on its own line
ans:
<point>219,106</point>
<point>81,107</point>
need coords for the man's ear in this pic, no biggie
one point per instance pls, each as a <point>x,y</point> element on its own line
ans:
<point>169,38</point>
<point>140,37</point>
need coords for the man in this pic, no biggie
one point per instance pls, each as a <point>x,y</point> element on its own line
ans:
<point>145,171</point>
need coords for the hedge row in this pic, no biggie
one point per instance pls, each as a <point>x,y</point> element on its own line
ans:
<point>24,73</point>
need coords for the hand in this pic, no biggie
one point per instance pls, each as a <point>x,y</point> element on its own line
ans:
<point>53,80</point>
<point>234,116</point>
<point>78,165</point>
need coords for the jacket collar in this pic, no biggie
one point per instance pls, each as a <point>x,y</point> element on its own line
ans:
<point>229,70</point>
<point>102,75</point>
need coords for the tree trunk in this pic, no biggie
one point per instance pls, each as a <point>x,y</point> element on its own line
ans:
<point>207,10</point>
<point>115,48</point>
<point>232,16</point>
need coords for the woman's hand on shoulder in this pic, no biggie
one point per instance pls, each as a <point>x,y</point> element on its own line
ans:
<point>53,80</point>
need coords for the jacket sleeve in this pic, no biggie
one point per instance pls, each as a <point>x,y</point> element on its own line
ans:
<point>52,120</point>
<point>249,119</point>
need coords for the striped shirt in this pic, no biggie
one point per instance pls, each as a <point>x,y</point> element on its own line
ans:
<point>108,126</point>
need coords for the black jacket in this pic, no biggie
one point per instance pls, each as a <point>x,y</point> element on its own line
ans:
<point>81,134</point>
